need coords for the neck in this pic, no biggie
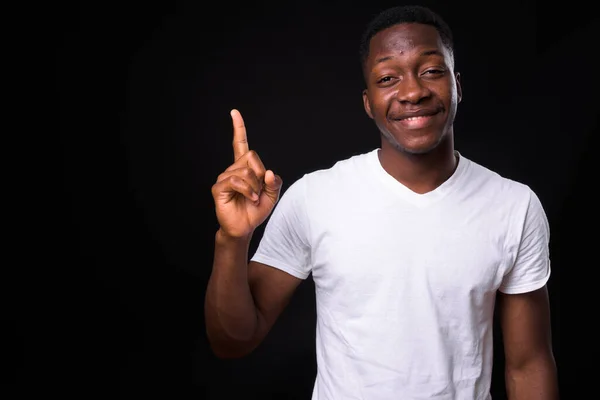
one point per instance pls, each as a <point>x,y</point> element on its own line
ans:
<point>421,173</point>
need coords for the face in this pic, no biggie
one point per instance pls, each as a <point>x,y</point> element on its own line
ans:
<point>412,91</point>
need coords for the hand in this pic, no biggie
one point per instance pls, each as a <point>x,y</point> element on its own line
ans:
<point>245,193</point>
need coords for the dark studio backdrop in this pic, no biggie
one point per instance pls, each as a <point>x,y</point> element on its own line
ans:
<point>144,93</point>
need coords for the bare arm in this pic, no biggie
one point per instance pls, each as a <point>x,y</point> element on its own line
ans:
<point>243,300</point>
<point>530,366</point>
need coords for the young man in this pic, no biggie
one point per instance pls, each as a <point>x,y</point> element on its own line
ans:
<point>410,246</point>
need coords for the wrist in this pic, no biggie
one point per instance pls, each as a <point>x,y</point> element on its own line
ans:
<point>223,237</point>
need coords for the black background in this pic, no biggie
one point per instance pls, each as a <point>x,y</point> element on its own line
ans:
<point>143,93</point>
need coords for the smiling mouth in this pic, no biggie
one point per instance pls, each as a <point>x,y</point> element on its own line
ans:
<point>417,122</point>
<point>415,118</point>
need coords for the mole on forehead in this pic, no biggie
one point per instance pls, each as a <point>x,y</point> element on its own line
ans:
<point>401,44</point>
<point>404,38</point>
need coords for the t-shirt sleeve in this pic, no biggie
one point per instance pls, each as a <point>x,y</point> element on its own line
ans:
<point>285,242</point>
<point>531,268</point>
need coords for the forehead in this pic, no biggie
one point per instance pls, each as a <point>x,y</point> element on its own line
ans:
<point>404,38</point>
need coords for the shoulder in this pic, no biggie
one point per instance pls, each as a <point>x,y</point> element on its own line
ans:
<point>509,200</point>
<point>326,184</point>
<point>494,185</point>
<point>332,179</point>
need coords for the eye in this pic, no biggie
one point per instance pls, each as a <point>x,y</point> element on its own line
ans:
<point>434,72</point>
<point>384,79</point>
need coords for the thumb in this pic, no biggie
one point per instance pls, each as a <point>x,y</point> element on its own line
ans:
<point>272,186</point>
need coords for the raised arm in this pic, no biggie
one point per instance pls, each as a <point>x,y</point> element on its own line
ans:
<point>243,299</point>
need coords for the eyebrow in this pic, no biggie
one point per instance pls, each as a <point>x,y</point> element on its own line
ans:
<point>433,52</point>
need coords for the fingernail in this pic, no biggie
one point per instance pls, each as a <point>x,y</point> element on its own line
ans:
<point>254,196</point>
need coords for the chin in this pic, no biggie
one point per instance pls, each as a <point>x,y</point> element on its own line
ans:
<point>417,150</point>
<point>415,146</point>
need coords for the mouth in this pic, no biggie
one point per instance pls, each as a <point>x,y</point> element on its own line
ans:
<point>417,121</point>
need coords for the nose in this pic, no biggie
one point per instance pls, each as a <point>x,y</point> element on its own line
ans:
<point>412,90</point>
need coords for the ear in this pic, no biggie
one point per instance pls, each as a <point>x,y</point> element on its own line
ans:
<point>458,87</point>
<point>367,104</point>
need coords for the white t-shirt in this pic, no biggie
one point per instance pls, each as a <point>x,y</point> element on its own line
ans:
<point>405,282</point>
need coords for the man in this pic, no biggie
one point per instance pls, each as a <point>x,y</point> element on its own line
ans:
<point>409,245</point>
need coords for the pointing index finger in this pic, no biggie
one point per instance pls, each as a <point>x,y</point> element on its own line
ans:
<point>240,140</point>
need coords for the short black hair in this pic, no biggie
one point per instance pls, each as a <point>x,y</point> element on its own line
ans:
<point>404,15</point>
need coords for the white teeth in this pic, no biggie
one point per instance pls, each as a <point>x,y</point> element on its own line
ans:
<point>415,118</point>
